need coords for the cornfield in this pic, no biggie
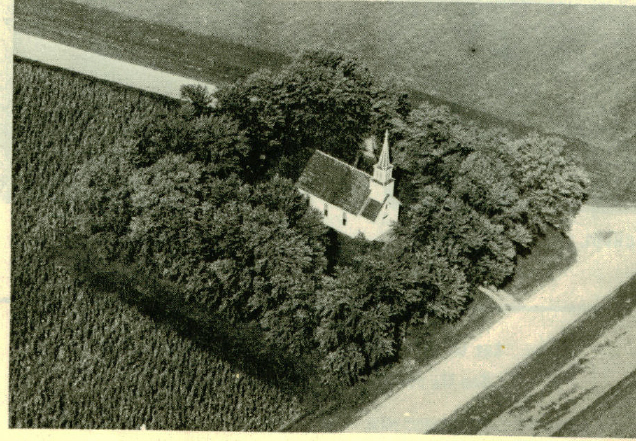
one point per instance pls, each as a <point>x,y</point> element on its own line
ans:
<point>84,359</point>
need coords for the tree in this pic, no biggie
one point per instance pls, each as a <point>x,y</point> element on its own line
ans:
<point>471,241</point>
<point>218,143</point>
<point>357,327</point>
<point>214,140</point>
<point>249,257</point>
<point>99,203</point>
<point>430,151</point>
<point>322,100</point>
<point>486,184</point>
<point>200,100</point>
<point>553,187</point>
<point>252,103</point>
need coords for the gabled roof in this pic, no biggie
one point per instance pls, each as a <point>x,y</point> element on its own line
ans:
<point>336,182</point>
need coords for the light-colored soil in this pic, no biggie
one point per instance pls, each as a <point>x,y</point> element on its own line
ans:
<point>605,239</point>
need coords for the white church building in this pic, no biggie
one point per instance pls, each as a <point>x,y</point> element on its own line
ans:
<point>350,200</point>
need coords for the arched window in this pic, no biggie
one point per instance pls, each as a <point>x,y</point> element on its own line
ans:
<point>344,218</point>
<point>326,209</point>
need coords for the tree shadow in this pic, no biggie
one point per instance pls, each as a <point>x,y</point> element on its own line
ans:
<point>240,344</point>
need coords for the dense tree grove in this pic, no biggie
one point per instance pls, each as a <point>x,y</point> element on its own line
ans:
<point>204,198</point>
<point>193,210</point>
<point>322,100</point>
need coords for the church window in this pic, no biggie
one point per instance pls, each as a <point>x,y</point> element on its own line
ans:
<point>326,209</point>
<point>344,218</point>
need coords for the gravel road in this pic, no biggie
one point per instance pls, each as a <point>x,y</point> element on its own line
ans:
<point>605,239</point>
<point>102,67</point>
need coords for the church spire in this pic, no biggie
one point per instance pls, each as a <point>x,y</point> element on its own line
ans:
<point>382,182</point>
<point>384,163</point>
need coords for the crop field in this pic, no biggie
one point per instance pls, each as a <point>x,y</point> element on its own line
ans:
<point>72,346</point>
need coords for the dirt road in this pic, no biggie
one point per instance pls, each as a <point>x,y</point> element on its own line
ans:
<point>605,239</point>
<point>102,67</point>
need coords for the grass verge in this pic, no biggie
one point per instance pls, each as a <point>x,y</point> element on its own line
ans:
<point>550,256</point>
<point>551,357</point>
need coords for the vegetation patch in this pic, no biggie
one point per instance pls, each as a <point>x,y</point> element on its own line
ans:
<point>613,409</point>
<point>549,256</point>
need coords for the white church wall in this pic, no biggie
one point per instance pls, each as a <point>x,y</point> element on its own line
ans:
<point>379,191</point>
<point>354,225</point>
<point>334,220</point>
<point>334,216</point>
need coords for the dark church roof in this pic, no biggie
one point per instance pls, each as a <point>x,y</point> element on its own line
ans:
<point>372,209</point>
<point>336,182</point>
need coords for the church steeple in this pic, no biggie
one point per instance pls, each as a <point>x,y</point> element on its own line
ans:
<point>384,162</point>
<point>381,185</point>
<point>382,170</point>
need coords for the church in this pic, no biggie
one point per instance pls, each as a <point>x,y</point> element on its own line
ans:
<point>350,200</point>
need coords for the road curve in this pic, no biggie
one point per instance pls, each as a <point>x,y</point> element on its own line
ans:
<point>605,239</point>
<point>99,66</point>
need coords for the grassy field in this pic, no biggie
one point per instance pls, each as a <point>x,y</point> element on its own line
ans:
<point>561,68</point>
<point>549,256</point>
<point>524,67</point>
<point>553,356</point>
